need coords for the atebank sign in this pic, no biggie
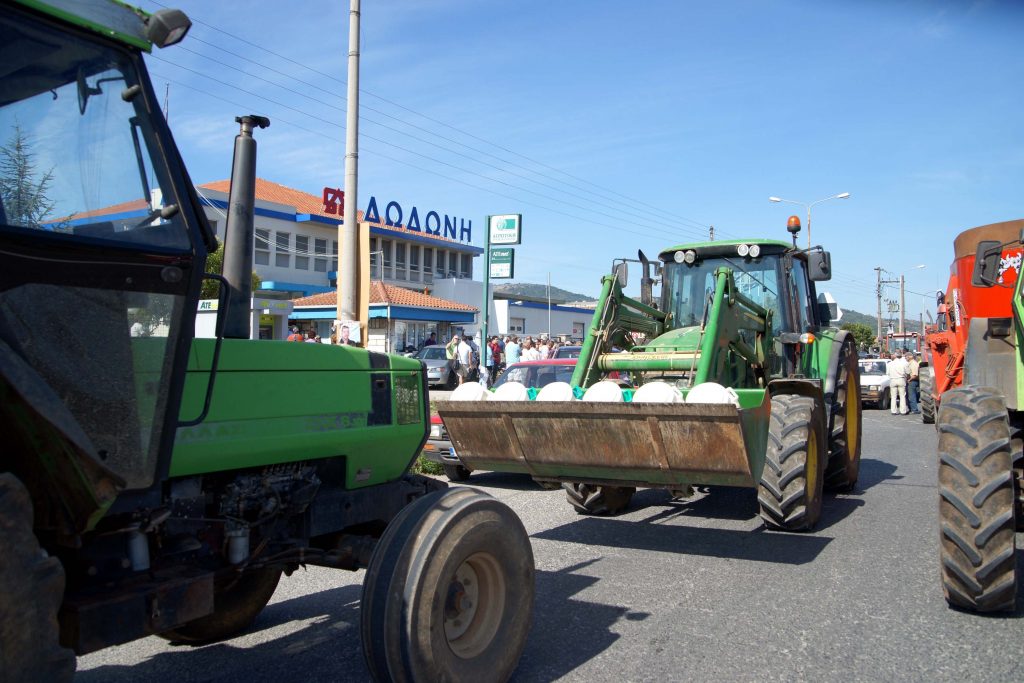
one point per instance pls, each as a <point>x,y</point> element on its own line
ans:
<point>394,216</point>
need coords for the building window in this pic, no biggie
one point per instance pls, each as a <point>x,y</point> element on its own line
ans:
<point>320,255</point>
<point>302,252</point>
<point>262,247</point>
<point>283,259</point>
<point>334,255</point>
<point>375,258</point>
<point>414,261</point>
<point>517,325</point>
<point>467,266</point>
<point>442,264</point>
<point>386,246</point>
<point>400,260</point>
<point>428,264</point>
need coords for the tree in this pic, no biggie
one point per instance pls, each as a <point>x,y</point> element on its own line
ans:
<point>26,201</point>
<point>215,264</point>
<point>862,334</point>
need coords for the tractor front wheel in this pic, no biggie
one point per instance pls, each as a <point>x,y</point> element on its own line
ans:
<point>449,591</point>
<point>927,386</point>
<point>237,601</point>
<point>792,481</point>
<point>31,590</point>
<point>845,429</point>
<point>588,499</point>
<point>976,501</point>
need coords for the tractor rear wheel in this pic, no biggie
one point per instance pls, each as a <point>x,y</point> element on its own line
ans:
<point>449,591</point>
<point>588,499</point>
<point>31,590</point>
<point>792,481</point>
<point>456,472</point>
<point>237,601</point>
<point>927,377</point>
<point>845,429</point>
<point>976,501</point>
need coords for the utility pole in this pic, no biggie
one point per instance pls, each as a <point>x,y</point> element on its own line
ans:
<point>348,231</point>
<point>712,233</point>
<point>878,295</point>
<point>903,308</point>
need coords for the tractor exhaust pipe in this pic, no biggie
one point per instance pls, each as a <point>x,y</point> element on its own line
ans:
<point>239,232</point>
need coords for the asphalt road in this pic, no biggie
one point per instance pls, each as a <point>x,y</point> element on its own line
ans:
<point>693,590</point>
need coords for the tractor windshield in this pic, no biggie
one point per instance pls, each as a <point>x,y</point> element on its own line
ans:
<point>688,287</point>
<point>75,146</point>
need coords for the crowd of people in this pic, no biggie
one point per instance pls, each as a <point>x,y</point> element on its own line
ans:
<point>904,383</point>
<point>473,364</point>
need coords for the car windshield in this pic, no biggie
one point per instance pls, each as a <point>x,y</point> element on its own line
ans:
<point>432,353</point>
<point>536,375</point>
<point>874,367</point>
<point>568,352</point>
<point>77,144</point>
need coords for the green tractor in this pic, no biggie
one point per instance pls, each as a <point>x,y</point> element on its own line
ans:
<point>742,315</point>
<point>152,482</point>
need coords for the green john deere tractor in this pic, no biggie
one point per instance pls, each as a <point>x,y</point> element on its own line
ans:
<point>152,482</point>
<point>739,314</point>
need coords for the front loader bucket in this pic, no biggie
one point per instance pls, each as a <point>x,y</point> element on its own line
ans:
<point>637,444</point>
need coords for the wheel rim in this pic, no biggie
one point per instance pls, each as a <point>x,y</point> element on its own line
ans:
<point>474,605</point>
<point>852,435</point>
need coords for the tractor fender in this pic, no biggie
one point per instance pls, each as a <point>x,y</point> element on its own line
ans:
<point>832,369</point>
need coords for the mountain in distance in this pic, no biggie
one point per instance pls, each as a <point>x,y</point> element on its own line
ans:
<point>535,291</point>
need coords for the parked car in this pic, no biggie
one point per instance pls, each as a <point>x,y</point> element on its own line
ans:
<point>874,382</point>
<point>538,373</point>
<point>567,352</point>
<point>439,449</point>
<point>438,371</point>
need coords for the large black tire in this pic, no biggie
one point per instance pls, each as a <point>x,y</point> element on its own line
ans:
<point>792,481</point>
<point>927,377</point>
<point>886,401</point>
<point>448,595</point>
<point>31,590</point>
<point>598,500</point>
<point>845,427</point>
<point>237,601</point>
<point>976,501</point>
<point>456,472</point>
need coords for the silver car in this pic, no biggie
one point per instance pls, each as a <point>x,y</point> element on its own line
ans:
<point>438,372</point>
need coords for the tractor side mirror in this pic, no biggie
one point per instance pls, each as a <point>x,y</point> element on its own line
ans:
<point>621,273</point>
<point>819,266</point>
<point>986,263</point>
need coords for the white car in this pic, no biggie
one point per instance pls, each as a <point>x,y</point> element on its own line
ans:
<point>874,382</point>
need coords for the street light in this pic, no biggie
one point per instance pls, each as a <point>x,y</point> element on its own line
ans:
<point>842,195</point>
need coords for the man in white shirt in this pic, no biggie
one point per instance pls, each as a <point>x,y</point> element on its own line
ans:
<point>530,353</point>
<point>465,353</point>
<point>899,372</point>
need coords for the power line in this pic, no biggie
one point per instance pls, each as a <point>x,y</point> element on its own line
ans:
<point>436,121</point>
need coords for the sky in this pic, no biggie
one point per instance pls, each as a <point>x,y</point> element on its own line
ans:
<point>613,127</point>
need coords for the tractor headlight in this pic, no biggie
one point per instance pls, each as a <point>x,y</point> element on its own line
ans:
<point>755,250</point>
<point>743,250</point>
<point>677,257</point>
<point>690,256</point>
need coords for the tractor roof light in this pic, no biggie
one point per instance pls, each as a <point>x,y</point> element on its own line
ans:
<point>167,26</point>
<point>678,257</point>
<point>690,256</point>
<point>755,250</point>
<point>743,250</point>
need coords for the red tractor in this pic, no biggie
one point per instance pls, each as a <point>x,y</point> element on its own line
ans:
<point>974,304</point>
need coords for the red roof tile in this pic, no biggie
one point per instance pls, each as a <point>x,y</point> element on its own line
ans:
<point>381,293</point>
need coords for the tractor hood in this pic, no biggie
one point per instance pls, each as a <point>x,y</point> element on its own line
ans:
<point>681,339</point>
